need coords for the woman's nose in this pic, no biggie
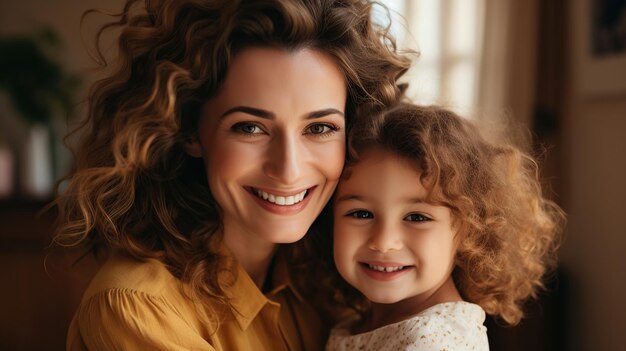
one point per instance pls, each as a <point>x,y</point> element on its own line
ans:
<point>285,159</point>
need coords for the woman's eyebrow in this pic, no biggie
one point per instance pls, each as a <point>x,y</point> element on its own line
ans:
<point>249,110</point>
<point>324,112</point>
<point>269,115</point>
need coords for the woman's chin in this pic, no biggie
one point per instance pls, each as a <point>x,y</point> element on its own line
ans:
<point>287,237</point>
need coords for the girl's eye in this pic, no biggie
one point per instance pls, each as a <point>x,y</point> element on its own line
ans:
<point>321,129</point>
<point>416,217</point>
<point>246,128</point>
<point>361,214</point>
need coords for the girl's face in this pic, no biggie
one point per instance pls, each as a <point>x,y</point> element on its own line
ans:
<point>273,143</point>
<point>389,243</point>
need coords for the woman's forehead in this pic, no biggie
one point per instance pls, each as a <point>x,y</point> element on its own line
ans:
<point>281,82</point>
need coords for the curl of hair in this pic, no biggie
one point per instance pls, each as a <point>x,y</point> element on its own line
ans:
<point>133,188</point>
<point>507,232</point>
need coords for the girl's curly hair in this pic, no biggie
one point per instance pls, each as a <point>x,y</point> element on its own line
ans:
<point>507,231</point>
<point>133,188</point>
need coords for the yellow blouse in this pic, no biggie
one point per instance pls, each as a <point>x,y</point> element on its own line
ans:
<point>135,305</point>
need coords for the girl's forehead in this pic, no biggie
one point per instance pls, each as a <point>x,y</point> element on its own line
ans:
<point>377,165</point>
<point>381,170</point>
<point>380,157</point>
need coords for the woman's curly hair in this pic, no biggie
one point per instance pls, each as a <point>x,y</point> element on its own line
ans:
<point>507,232</point>
<point>133,188</point>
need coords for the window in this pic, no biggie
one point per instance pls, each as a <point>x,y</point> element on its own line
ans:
<point>446,33</point>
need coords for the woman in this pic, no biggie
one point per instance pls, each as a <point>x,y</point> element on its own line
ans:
<point>219,136</point>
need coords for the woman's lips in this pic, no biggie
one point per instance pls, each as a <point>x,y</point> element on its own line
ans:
<point>281,202</point>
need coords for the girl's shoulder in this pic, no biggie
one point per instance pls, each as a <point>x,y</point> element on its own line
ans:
<point>450,311</point>
<point>451,326</point>
<point>453,323</point>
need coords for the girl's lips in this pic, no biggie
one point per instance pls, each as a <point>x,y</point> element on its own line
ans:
<point>280,204</point>
<point>385,271</point>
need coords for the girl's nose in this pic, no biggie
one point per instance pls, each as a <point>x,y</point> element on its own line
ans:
<point>385,238</point>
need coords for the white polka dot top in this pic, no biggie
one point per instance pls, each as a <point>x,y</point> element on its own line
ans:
<point>452,326</point>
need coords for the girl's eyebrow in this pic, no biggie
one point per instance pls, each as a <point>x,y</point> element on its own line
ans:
<point>411,200</point>
<point>417,200</point>
<point>269,115</point>
<point>348,197</point>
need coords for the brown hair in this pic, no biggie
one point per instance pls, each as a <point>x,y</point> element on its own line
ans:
<point>133,187</point>
<point>507,231</point>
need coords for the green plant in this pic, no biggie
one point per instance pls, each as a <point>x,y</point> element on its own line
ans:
<point>34,80</point>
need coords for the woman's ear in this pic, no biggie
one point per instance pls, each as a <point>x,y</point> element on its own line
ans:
<point>192,147</point>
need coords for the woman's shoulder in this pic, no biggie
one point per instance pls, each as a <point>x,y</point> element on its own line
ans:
<point>122,273</point>
<point>134,304</point>
<point>124,319</point>
<point>133,290</point>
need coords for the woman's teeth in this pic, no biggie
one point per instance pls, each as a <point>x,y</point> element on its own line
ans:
<point>281,200</point>
<point>384,269</point>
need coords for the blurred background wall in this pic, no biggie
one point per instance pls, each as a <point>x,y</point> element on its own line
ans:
<point>40,287</point>
<point>556,68</point>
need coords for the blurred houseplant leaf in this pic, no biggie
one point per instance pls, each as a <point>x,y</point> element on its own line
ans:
<point>35,82</point>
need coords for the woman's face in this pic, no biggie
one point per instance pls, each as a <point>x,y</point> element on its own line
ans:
<point>273,143</point>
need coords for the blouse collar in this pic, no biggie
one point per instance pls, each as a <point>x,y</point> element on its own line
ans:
<point>246,299</point>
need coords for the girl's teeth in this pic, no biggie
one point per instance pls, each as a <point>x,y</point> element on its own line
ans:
<point>280,200</point>
<point>384,269</point>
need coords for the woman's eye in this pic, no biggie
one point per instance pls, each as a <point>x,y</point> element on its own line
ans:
<point>247,128</point>
<point>416,217</point>
<point>320,128</point>
<point>361,214</point>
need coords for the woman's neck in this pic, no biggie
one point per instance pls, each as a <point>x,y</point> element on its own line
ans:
<point>254,256</point>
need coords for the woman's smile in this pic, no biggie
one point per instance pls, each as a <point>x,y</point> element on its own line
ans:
<point>282,203</point>
<point>281,200</point>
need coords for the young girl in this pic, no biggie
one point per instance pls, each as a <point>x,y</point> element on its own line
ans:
<point>435,226</point>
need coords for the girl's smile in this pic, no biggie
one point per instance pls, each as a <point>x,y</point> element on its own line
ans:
<point>390,242</point>
<point>385,271</point>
